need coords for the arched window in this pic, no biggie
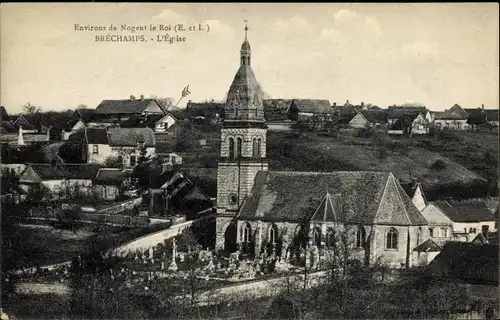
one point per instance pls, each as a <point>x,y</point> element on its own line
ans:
<point>330,239</point>
<point>392,239</point>
<point>254,148</point>
<point>259,145</point>
<point>256,112</point>
<point>317,236</point>
<point>360,237</point>
<point>231,148</point>
<point>273,234</point>
<point>239,142</point>
<point>236,111</point>
<point>246,232</point>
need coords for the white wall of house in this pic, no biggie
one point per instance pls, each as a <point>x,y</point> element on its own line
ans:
<point>473,227</point>
<point>429,117</point>
<point>78,126</point>
<point>419,126</point>
<point>164,123</point>
<point>16,167</point>
<point>97,153</point>
<point>418,199</point>
<point>451,124</point>
<point>358,122</point>
<point>153,108</point>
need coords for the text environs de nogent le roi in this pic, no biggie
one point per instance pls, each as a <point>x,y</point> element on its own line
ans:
<point>164,37</point>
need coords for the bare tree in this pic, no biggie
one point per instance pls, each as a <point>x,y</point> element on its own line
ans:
<point>30,108</point>
<point>82,106</point>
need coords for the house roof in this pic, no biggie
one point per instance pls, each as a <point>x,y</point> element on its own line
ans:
<point>90,135</point>
<point>491,115</point>
<point>65,171</point>
<point>428,245</point>
<point>471,263</point>
<point>85,114</point>
<point>131,136</point>
<point>402,112</point>
<point>365,197</point>
<point>126,106</point>
<point>276,109</point>
<point>111,176</point>
<point>465,212</point>
<point>488,238</point>
<point>137,121</point>
<point>454,113</point>
<point>311,106</point>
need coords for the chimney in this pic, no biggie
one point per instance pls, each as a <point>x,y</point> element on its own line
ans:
<point>482,107</point>
<point>347,102</point>
<point>362,104</point>
<point>132,97</point>
<point>335,104</point>
<point>142,97</point>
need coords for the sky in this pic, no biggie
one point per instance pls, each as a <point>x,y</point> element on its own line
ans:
<point>384,54</point>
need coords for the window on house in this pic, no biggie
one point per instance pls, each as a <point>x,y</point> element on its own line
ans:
<point>431,232</point>
<point>360,237</point>
<point>472,230</point>
<point>95,149</point>
<point>231,148</point>
<point>392,239</point>
<point>239,142</point>
<point>273,234</point>
<point>133,161</point>
<point>443,233</point>
<point>246,232</point>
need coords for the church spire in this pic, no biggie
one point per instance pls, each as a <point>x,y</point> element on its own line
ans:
<point>245,49</point>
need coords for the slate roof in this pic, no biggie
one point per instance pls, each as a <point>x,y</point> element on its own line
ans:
<point>471,263</point>
<point>85,114</point>
<point>65,171</point>
<point>454,113</point>
<point>374,116</point>
<point>131,136</point>
<point>90,135</point>
<point>365,197</point>
<point>428,245</point>
<point>111,176</point>
<point>490,237</point>
<point>141,121</point>
<point>311,106</point>
<point>126,106</point>
<point>276,109</point>
<point>465,212</point>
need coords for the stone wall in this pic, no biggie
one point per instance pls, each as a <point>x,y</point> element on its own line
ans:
<point>247,135</point>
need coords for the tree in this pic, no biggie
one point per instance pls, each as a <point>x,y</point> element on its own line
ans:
<point>30,108</point>
<point>113,162</point>
<point>82,106</point>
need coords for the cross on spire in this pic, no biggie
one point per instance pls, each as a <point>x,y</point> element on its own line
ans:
<point>246,29</point>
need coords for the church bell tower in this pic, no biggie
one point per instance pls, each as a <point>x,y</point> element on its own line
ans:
<point>243,148</point>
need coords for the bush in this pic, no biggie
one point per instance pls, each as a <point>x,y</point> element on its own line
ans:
<point>368,132</point>
<point>438,165</point>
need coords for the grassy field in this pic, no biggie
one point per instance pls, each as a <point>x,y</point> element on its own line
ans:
<point>469,158</point>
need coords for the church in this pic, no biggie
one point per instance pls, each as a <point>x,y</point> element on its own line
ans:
<point>259,210</point>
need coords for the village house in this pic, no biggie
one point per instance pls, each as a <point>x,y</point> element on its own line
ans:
<point>117,111</point>
<point>109,182</point>
<point>172,192</point>
<point>474,268</point>
<point>61,179</point>
<point>458,221</point>
<point>276,113</point>
<point>315,113</point>
<point>480,118</point>
<point>395,113</point>
<point>411,124</point>
<point>157,122</point>
<point>22,138</point>
<point>207,110</point>
<point>287,212</point>
<point>343,114</point>
<point>79,120</point>
<point>455,119</point>
<point>368,118</point>
<point>99,144</point>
